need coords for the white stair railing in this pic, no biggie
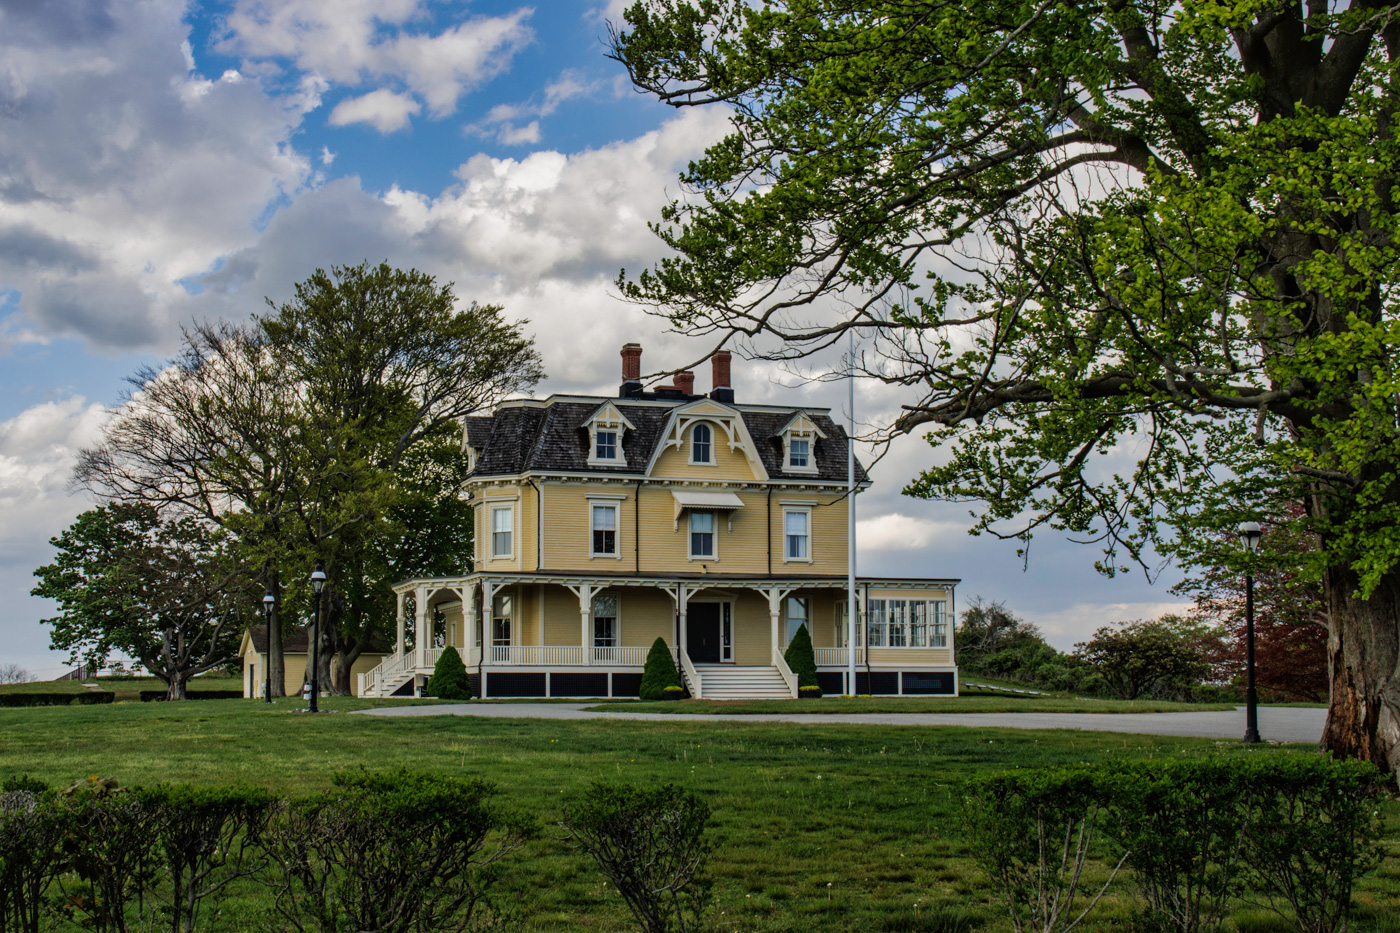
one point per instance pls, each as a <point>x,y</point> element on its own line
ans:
<point>789,678</point>
<point>692,676</point>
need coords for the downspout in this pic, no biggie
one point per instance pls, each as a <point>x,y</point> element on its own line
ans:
<point>539,526</point>
<point>770,529</point>
<point>637,533</point>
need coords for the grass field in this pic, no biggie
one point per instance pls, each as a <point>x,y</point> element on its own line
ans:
<point>126,688</point>
<point>968,703</point>
<point>819,828</point>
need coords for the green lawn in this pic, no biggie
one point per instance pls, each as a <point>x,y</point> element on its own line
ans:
<point>126,688</point>
<point>819,828</point>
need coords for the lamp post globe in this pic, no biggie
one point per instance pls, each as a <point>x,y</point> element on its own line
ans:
<point>268,602</point>
<point>1250,534</point>
<point>318,583</point>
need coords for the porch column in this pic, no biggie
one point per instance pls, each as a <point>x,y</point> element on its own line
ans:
<point>585,611</point>
<point>469,618</point>
<point>399,621</point>
<point>422,636</point>
<point>775,602</point>
<point>682,597</point>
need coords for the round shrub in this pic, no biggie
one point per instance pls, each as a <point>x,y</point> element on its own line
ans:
<point>659,673</point>
<point>803,661</point>
<point>449,680</point>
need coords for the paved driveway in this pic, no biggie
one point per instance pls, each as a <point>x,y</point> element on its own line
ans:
<point>1276,724</point>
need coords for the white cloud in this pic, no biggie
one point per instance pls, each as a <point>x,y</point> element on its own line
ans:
<point>502,121</point>
<point>358,42</point>
<point>384,110</point>
<point>1079,622</point>
<point>896,532</point>
<point>327,157</point>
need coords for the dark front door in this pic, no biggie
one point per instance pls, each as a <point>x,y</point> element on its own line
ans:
<point>702,633</point>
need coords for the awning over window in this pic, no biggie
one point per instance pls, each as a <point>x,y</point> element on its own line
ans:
<point>706,501</point>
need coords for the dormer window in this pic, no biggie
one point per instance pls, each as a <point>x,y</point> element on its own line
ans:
<point>606,431</point>
<point>702,444</point>
<point>799,439</point>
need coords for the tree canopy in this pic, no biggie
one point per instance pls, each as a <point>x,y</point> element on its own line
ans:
<point>329,429</point>
<point>170,592</point>
<point>1135,263</point>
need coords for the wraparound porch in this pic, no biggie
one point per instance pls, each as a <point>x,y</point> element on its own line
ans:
<point>720,629</point>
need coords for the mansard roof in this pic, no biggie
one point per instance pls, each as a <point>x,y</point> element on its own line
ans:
<point>551,436</point>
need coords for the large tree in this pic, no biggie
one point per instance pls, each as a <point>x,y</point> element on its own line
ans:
<point>328,429</point>
<point>1135,262</point>
<point>169,592</point>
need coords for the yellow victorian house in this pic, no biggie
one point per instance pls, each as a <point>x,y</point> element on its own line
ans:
<point>602,524</point>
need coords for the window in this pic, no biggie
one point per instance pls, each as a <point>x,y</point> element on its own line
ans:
<point>896,618</point>
<point>501,608</point>
<point>795,525</point>
<point>701,444</point>
<point>940,624</point>
<point>726,632</point>
<point>799,453</point>
<point>702,534</point>
<point>918,624</point>
<point>502,525</point>
<point>604,524</point>
<point>605,628</point>
<point>842,631</point>
<point>875,622</point>
<point>797,607</point>
<point>606,446</point>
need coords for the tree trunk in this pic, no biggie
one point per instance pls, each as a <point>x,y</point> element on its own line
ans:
<point>276,665</point>
<point>1363,656</point>
<point>175,687</point>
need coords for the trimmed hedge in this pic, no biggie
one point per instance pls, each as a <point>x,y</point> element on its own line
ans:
<point>1290,831</point>
<point>155,696</point>
<point>43,699</point>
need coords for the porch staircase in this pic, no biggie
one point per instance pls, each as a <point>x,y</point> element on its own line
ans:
<point>729,682</point>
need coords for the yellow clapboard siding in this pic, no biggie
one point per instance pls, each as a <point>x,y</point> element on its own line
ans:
<point>569,533</point>
<point>729,465</point>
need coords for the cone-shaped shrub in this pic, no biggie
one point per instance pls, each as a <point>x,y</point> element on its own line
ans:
<point>802,659</point>
<point>449,680</point>
<point>659,673</point>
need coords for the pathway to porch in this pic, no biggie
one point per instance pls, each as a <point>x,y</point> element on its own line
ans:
<point>1276,724</point>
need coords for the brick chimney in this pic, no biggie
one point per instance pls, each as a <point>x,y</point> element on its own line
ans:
<point>719,366</point>
<point>631,371</point>
<point>685,381</point>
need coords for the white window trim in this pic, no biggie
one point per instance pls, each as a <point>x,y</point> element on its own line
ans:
<point>811,439</point>
<point>714,447</point>
<point>492,507</point>
<point>513,623</point>
<point>804,508</point>
<point>593,458</point>
<point>714,537</point>
<point>617,623</point>
<point>613,502</point>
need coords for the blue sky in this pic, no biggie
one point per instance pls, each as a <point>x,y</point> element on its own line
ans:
<point>163,161</point>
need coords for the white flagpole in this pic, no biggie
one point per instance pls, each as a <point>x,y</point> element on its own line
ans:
<point>851,515</point>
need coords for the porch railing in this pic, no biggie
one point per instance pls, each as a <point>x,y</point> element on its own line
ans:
<point>837,657</point>
<point>690,674</point>
<point>789,677</point>
<point>566,655</point>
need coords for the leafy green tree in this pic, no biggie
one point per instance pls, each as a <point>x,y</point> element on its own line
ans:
<point>449,680</point>
<point>327,430</point>
<point>659,673</point>
<point>171,593</point>
<point>801,658</point>
<point>1138,658</point>
<point>1135,262</point>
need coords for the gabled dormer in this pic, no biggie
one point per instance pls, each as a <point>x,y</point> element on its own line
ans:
<point>799,444</point>
<point>705,434</point>
<point>607,429</point>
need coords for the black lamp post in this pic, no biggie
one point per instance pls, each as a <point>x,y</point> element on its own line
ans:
<point>318,583</point>
<point>1249,534</point>
<point>268,601</point>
